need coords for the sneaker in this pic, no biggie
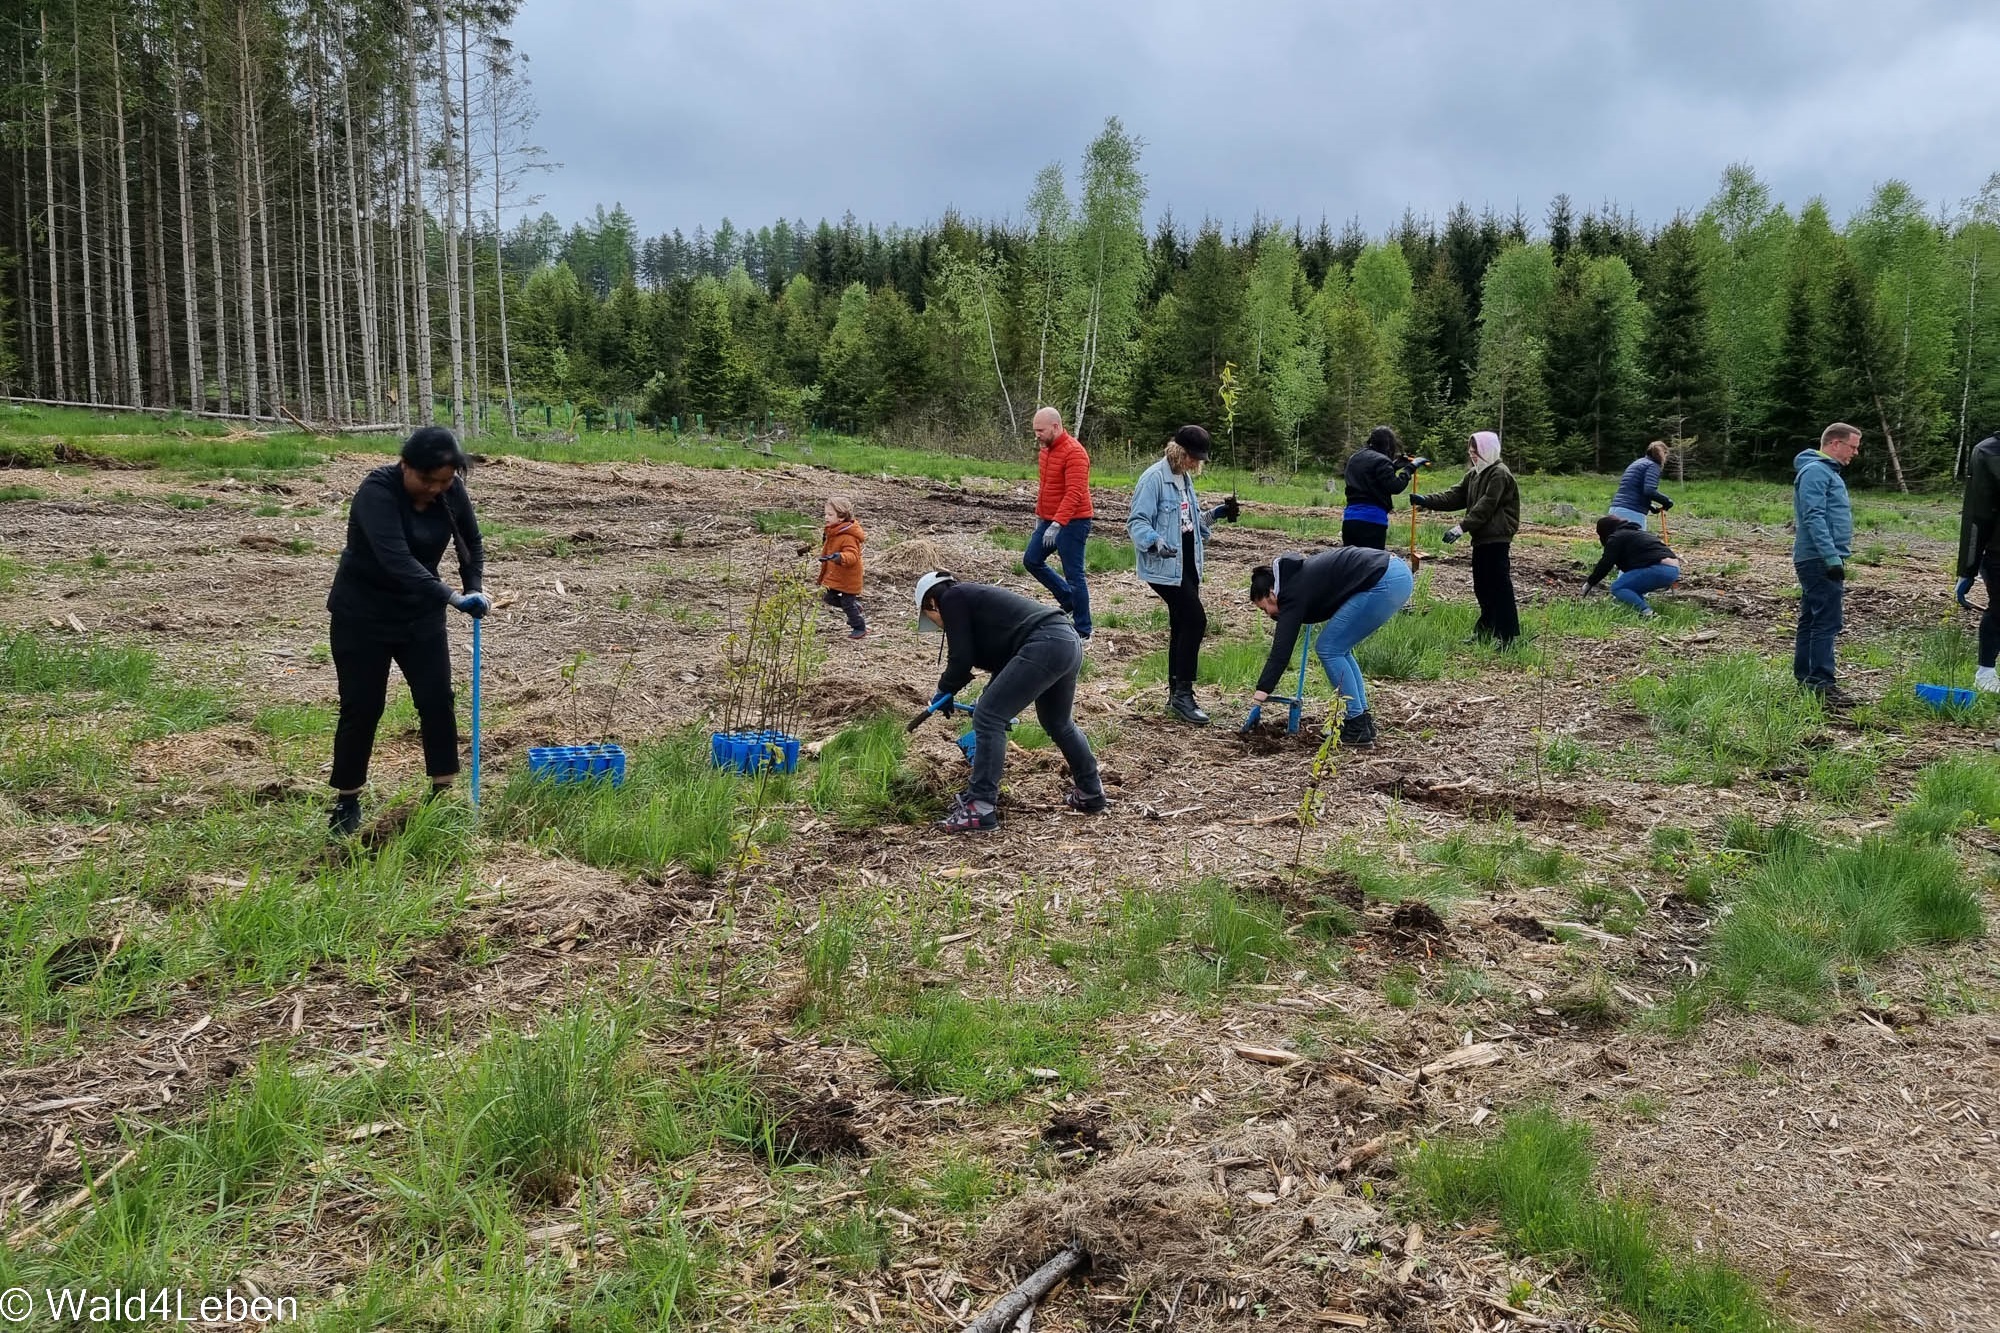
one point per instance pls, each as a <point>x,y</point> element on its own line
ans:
<point>1986,680</point>
<point>1648,613</point>
<point>969,817</point>
<point>1085,803</point>
<point>861,633</point>
<point>345,821</point>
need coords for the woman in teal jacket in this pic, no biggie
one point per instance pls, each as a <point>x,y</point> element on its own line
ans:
<point>1169,534</point>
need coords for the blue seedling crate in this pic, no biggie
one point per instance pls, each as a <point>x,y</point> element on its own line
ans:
<point>1942,697</point>
<point>577,763</point>
<point>754,751</point>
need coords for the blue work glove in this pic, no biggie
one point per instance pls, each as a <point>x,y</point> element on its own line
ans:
<point>944,703</point>
<point>1958,593</point>
<point>1050,535</point>
<point>1453,533</point>
<point>474,604</point>
<point>1256,716</point>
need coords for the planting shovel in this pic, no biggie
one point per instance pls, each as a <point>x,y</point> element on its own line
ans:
<point>475,713</point>
<point>1296,699</point>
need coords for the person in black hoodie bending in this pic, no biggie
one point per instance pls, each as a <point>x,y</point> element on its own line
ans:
<point>1648,564</point>
<point>1376,474</point>
<point>1034,654</point>
<point>388,603</point>
<point>1355,591</point>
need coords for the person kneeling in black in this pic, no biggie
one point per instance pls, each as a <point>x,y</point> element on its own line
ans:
<point>1034,655</point>
<point>387,605</point>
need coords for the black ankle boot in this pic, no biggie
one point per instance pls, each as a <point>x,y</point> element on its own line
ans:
<point>1358,731</point>
<point>1181,703</point>
<point>345,821</point>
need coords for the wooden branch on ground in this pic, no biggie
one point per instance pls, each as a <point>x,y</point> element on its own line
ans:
<point>1040,1283</point>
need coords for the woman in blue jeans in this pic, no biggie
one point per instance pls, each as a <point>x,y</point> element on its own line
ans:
<point>1354,590</point>
<point>1648,564</point>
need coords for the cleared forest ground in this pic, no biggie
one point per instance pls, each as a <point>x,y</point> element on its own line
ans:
<point>712,1052</point>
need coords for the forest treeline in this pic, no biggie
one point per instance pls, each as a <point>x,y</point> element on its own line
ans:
<point>318,208</point>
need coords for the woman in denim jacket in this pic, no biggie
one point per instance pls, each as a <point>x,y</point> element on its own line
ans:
<point>1169,532</point>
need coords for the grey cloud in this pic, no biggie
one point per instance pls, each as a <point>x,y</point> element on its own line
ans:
<point>898,109</point>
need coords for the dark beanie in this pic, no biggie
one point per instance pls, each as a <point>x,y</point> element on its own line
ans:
<point>1383,441</point>
<point>1194,442</point>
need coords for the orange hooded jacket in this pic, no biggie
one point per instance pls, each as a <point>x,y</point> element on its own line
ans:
<point>843,542</point>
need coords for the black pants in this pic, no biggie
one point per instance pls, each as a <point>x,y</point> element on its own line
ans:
<point>847,602</point>
<point>1989,623</point>
<point>1493,589</point>
<point>1187,621</point>
<point>1374,536</point>
<point>361,658</point>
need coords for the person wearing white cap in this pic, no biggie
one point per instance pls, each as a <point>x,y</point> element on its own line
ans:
<point>1033,653</point>
<point>1492,503</point>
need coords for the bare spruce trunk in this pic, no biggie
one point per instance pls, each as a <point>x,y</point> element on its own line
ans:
<point>453,302</point>
<point>83,215</point>
<point>301,308</point>
<point>477,418</point>
<point>398,297</point>
<point>500,266</point>
<point>134,395</point>
<point>31,299</point>
<point>113,343</point>
<point>224,397</point>
<point>54,235</point>
<point>326,304</point>
<point>197,387</point>
<point>274,366</point>
<point>159,318</point>
<point>246,280</point>
<point>419,239</point>
<point>360,207</point>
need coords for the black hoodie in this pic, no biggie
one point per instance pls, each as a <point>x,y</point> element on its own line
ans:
<point>388,580</point>
<point>1979,521</point>
<point>1374,476</point>
<point>1310,589</point>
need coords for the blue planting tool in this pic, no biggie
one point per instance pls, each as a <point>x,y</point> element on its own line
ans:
<point>475,713</point>
<point>1297,699</point>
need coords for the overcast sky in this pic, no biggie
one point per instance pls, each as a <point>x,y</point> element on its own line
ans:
<point>687,110</point>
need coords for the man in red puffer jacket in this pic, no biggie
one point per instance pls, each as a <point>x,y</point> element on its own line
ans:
<point>1062,518</point>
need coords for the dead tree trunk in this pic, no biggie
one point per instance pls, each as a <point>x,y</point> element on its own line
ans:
<point>133,393</point>
<point>53,233</point>
<point>454,305</point>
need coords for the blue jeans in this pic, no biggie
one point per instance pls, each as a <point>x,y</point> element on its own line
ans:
<point>1819,625</point>
<point>1632,586</point>
<point>1629,515</point>
<point>1358,617</point>
<point>1072,592</point>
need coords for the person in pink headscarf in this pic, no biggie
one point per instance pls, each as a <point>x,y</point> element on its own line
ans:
<point>1492,504</point>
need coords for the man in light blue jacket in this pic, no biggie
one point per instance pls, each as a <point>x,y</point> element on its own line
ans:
<point>1169,535</point>
<point>1824,520</point>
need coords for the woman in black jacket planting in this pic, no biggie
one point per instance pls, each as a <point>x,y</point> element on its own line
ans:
<point>1649,564</point>
<point>1492,504</point>
<point>1034,655</point>
<point>387,605</point>
<point>1376,474</point>
<point>1355,591</point>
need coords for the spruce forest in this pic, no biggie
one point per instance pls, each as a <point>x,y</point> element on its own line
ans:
<point>326,211</point>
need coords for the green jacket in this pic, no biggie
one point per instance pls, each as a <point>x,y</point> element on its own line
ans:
<point>1491,501</point>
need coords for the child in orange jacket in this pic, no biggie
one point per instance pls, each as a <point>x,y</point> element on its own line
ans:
<point>840,563</point>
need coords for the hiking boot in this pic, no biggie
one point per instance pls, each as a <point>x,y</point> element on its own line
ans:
<point>345,821</point>
<point>1181,703</point>
<point>1986,680</point>
<point>1085,803</point>
<point>1358,731</point>
<point>968,816</point>
<point>1832,696</point>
